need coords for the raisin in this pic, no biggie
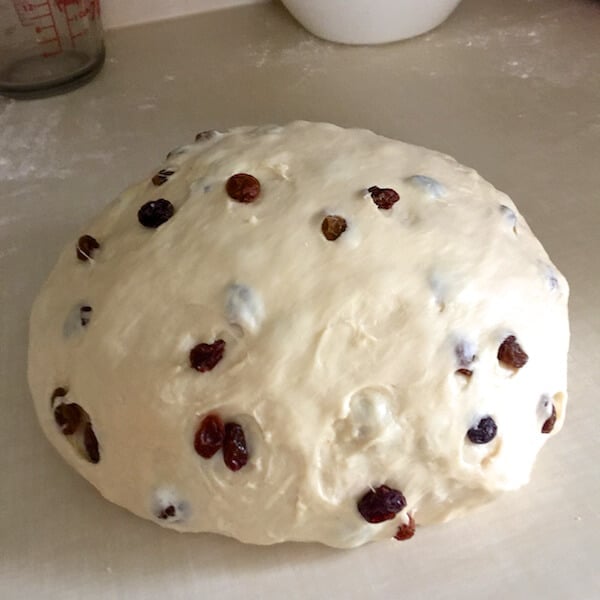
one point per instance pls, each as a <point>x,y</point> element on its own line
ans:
<point>68,417</point>
<point>59,392</point>
<point>243,187</point>
<point>484,432</point>
<point>162,176</point>
<point>90,441</point>
<point>465,372</point>
<point>167,512</point>
<point>205,357</point>
<point>333,226</point>
<point>549,423</point>
<point>209,437</point>
<point>86,246</point>
<point>85,313</point>
<point>153,214</point>
<point>203,136</point>
<point>381,504</point>
<point>235,451</point>
<point>510,353</point>
<point>384,198</point>
<point>406,530</point>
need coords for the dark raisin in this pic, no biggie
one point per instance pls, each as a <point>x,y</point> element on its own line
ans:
<point>484,432</point>
<point>406,530</point>
<point>205,357</point>
<point>549,423</point>
<point>68,417</point>
<point>203,136</point>
<point>510,353</point>
<point>90,441</point>
<point>235,451</point>
<point>209,437</point>
<point>85,313</point>
<point>59,392</point>
<point>381,504</point>
<point>243,187</point>
<point>333,226</point>
<point>162,176</point>
<point>153,214</point>
<point>465,372</point>
<point>167,512</point>
<point>384,198</point>
<point>86,246</point>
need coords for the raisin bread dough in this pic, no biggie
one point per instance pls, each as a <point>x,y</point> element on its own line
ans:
<point>302,333</point>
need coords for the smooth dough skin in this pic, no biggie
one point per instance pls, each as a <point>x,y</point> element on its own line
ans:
<point>374,332</point>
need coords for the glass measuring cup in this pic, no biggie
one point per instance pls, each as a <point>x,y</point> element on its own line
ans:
<point>48,46</point>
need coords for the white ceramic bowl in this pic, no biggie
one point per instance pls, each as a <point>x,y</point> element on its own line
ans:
<point>369,21</point>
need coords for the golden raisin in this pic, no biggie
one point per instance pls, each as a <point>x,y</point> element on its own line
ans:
<point>333,226</point>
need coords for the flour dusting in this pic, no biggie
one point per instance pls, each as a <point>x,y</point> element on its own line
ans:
<point>6,252</point>
<point>28,137</point>
<point>33,142</point>
<point>9,219</point>
<point>308,54</point>
<point>529,49</point>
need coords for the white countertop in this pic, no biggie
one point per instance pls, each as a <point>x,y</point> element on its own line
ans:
<point>509,87</point>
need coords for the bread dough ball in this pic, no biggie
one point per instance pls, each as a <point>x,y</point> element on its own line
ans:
<point>302,333</point>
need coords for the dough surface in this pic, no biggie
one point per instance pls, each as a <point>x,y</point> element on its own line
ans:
<point>421,350</point>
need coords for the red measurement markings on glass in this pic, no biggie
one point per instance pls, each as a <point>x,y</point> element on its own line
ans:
<point>39,16</point>
<point>95,9</point>
<point>78,14</point>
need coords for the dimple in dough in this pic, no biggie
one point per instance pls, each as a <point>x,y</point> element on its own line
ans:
<point>342,357</point>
